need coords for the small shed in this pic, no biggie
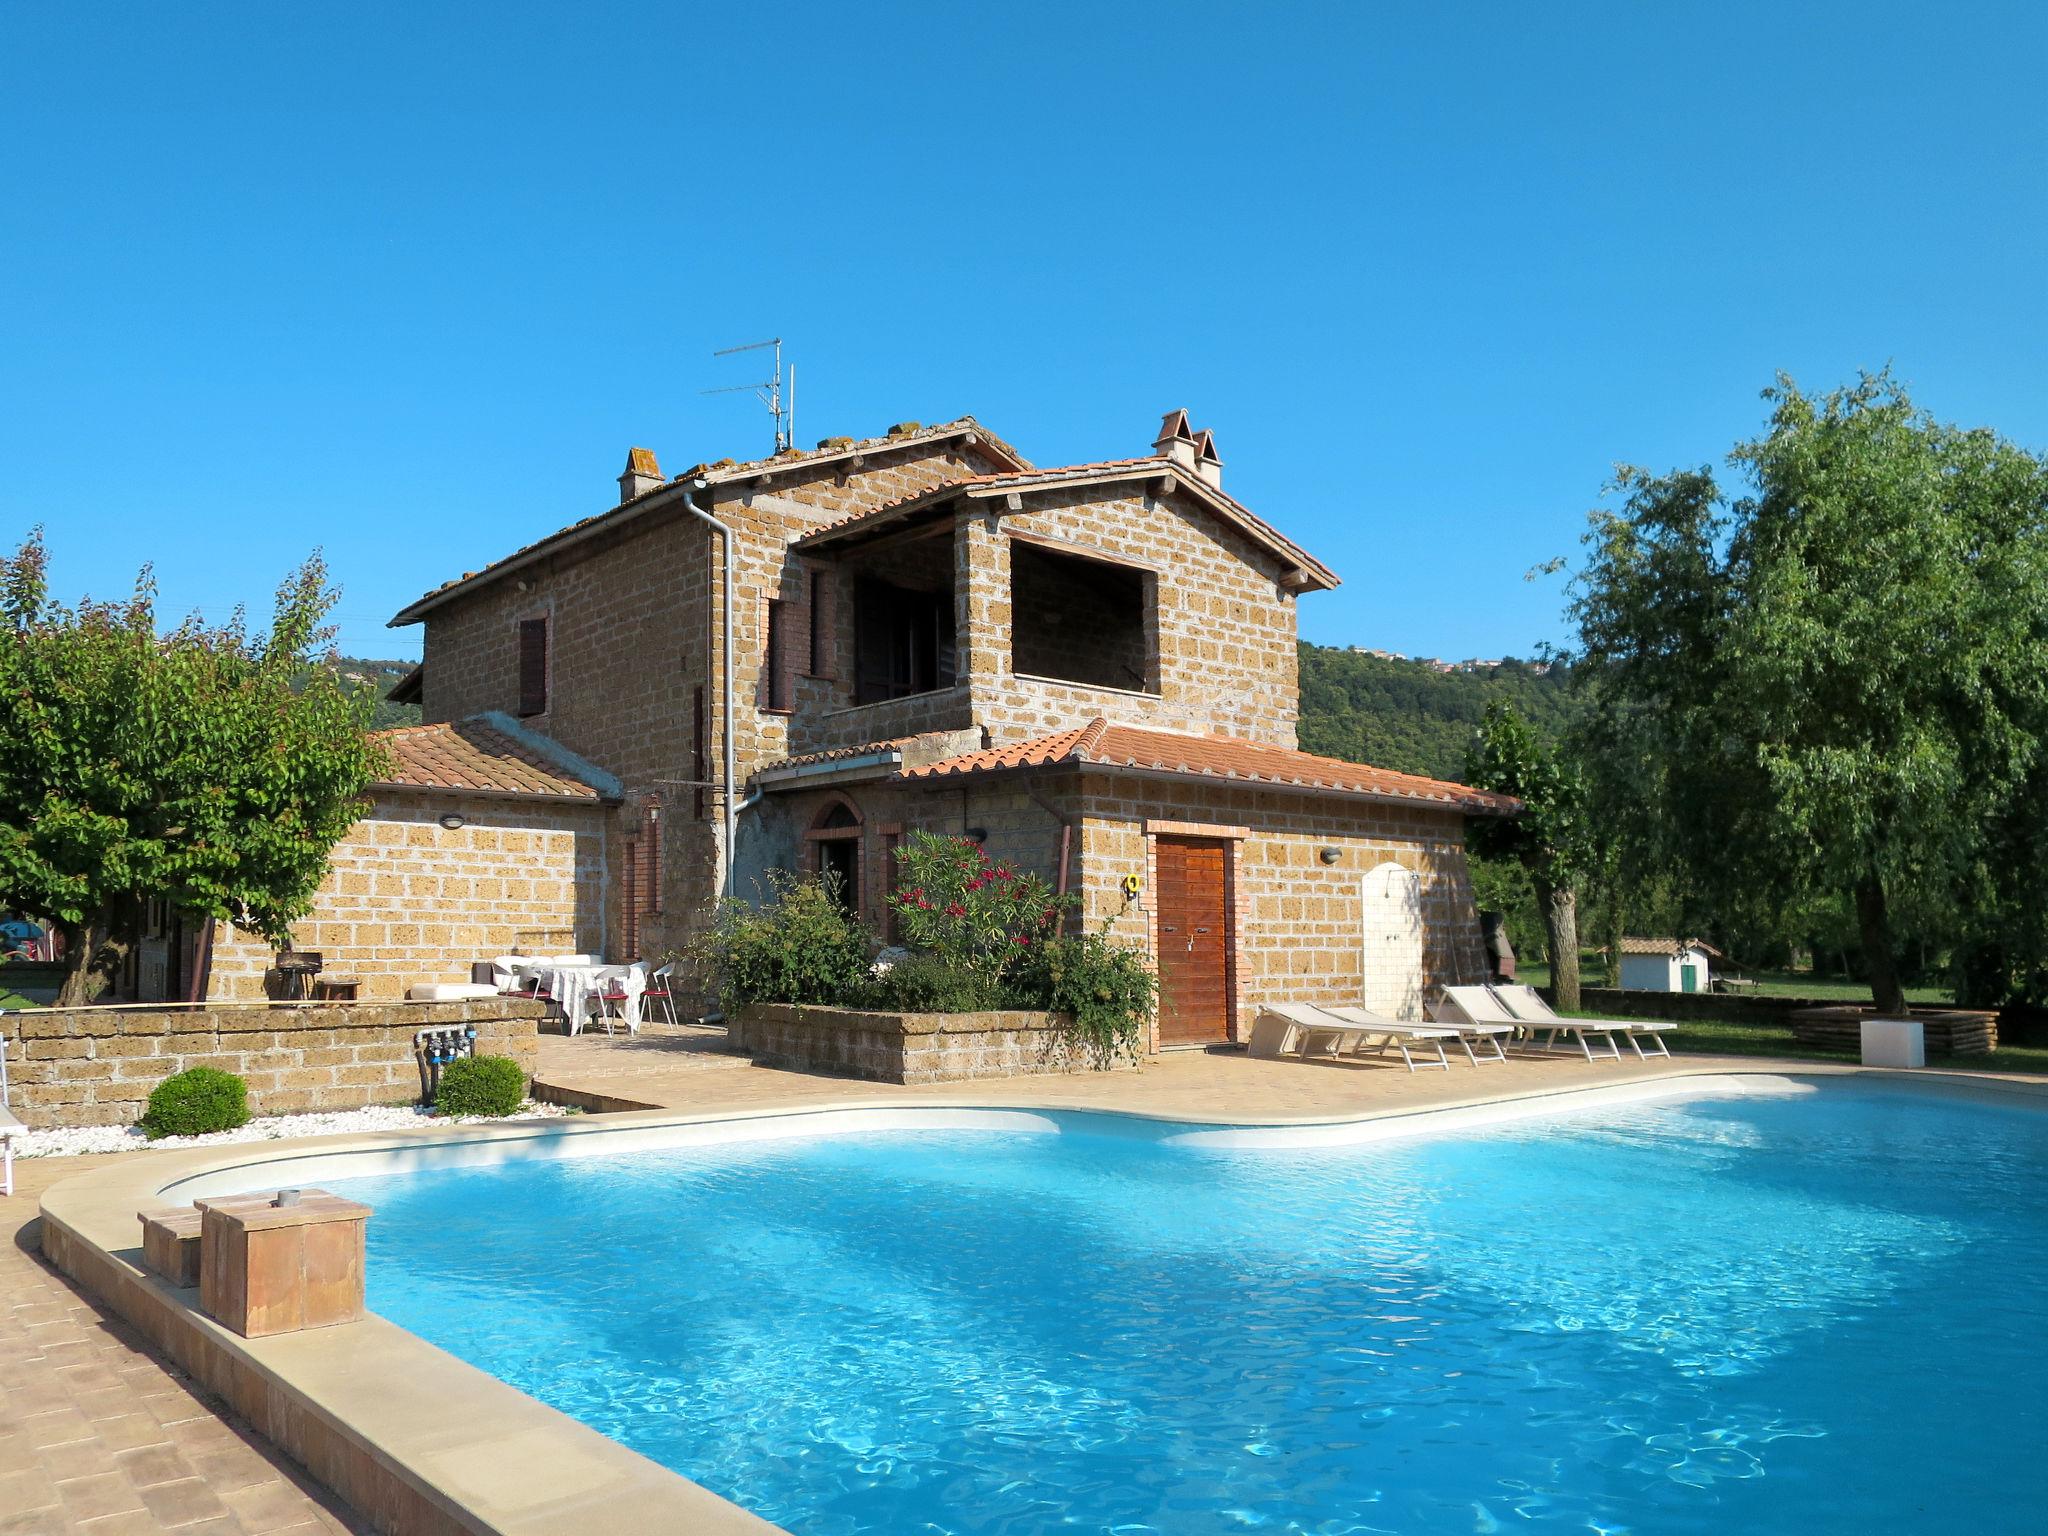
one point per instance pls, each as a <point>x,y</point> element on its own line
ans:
<point>1667,965</point>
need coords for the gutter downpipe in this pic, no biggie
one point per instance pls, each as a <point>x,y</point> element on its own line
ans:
<point>729,841</point>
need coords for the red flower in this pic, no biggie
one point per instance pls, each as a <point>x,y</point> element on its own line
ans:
<point>954,909</point>
<point>1019,938</point>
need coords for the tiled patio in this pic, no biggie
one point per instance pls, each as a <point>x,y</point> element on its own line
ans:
<point>686,1069</point>
<point>98,1436</point>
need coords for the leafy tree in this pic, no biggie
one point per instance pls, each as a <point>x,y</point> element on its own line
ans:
<point>1549,839</point>
<point>202,767</point>
<point>1832,684</point>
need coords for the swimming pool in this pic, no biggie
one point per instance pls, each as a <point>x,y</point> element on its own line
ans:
<point>1808,1313</point>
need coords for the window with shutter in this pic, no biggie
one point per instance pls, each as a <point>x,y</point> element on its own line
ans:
<point>775,669</point>
<point>533,666</point>
<point>903,642</point>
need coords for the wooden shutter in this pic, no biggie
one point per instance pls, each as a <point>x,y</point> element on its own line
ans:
<point>533,666</point>
<point>946,652</point>
<point>821,624</point>
<point>775,664</point>
<point>698,768</point>
<point>873,648</point>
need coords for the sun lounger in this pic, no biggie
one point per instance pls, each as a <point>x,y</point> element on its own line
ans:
<point>1468,1034</point>
<point>1295,1029</point>
<point>1525,1002</point>
<point>1480,1005</point>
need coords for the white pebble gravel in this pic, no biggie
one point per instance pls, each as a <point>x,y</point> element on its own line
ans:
<point>378,1117</point>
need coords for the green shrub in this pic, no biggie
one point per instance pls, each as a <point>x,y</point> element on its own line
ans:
<point>1105,990</point>
<point>800,945</point>
<point>196,1102</point>
<point>481,1085</point>
<point>928,984</point>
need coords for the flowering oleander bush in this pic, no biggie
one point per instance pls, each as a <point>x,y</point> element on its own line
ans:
<point>954,902</point>
<point>978,934</point>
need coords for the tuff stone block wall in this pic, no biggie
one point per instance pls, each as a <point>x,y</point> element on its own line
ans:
<point>96,1066</point>
<point>1299,922</point>
<point>1225,626</point>
<point>1300,933</point>
<point>634,682</point>
<point>407,900</point>
<point>904,1047</point>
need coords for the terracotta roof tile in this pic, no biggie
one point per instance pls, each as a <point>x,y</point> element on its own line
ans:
<point>1235,510</point>
<point>838,754</point>
<point>1665,947</point>
<point>723,470</point>
<point>1104,744</point>
<point>475,755</point>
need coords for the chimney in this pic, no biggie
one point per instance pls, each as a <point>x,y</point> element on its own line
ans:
<point>1207,465</point>
<point>642,474</point>
<point>1175,440</point>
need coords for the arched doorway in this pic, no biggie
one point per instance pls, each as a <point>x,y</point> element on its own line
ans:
<point>834,843</point>
<point>1391,941</point>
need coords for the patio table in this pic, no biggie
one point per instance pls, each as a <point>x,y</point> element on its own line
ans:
<point>573,986</point>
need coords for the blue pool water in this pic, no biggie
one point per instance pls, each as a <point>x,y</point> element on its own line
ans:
<point>1818,1313</point>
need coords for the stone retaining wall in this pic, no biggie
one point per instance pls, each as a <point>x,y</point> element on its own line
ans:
<point>96,1066</point>
<point>904,1047</point>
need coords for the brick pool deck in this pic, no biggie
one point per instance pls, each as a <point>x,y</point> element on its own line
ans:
<point>100,1437</point>
<point>97,1435</point>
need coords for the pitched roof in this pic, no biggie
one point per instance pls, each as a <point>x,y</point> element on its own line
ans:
<point>1312,572</point>
<point>1666,947</point>
<point>481,756</point>
<point>829,450</point>
<point>1104,744</point>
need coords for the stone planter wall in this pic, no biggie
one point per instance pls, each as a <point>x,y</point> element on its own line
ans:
<point>96,1066</point>
<point>903,1047</point>
<point>1947,1031</point>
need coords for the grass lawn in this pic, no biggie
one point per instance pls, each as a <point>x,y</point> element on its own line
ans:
<point>11,999</point>
<point>1592,970</point>
<point>1723,1039</point>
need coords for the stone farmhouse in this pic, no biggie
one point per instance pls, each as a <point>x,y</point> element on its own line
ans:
<point>794,662</point>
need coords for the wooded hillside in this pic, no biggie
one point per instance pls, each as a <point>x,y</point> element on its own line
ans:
<point>1409,717</point>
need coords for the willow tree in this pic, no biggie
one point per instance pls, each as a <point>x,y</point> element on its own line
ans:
<point>200,766</point>
<point>1549,838</point>
<point>1836,681</point>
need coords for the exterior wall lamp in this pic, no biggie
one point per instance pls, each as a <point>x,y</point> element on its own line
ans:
<point>1330,855</point>
<point>453,821</point>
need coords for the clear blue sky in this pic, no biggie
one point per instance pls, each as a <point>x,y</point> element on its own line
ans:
<point>405,281</point>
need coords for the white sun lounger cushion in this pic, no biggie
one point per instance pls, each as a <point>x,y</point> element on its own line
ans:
<point>450,991</point>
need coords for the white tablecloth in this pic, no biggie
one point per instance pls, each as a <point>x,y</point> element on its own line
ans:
<point>573,986</point>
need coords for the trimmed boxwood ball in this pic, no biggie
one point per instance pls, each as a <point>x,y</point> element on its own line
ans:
<point>196,1102</point>
<point>481,1085</point>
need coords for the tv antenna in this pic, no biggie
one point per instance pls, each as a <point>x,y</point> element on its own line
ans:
<point>768,391</point>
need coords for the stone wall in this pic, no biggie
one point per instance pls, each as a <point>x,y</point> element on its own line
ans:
<point>407,900</point>
<point>1298,921</point>
<point>634,683</point>
<point>1225,626</point>
<point>903,1047</point>
<point>96,1066</point>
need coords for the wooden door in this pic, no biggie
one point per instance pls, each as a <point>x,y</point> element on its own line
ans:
<point>1194,941</point>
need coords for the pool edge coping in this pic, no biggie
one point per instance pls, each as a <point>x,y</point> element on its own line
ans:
<point>421,1441</point>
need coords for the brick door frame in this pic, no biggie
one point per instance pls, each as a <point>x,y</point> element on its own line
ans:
<point>1235,903</point>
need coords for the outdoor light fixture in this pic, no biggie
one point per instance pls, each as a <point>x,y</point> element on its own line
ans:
<point>1330,855</point>
<point>453,821</point>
